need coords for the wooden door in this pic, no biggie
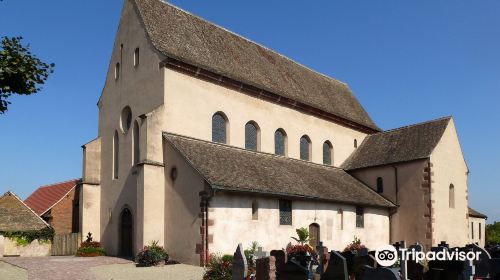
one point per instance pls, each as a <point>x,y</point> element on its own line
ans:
<point>314,235</point>
<point>126,230</point>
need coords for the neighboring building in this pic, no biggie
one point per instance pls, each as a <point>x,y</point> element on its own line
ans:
<point>16,216</point>
<point>207,139</point>
<point>477,227</point>
<point>58,205</point>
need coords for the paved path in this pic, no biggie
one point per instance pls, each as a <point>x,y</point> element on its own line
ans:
<point>62,268</point>
<point>8,271</point>
<point>129,271</point>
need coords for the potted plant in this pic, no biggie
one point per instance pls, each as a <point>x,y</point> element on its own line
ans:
<point>301,252</point>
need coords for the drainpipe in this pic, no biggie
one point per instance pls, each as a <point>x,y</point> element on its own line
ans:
<point>396,182</point>
<point>394,210</point>
<point>204,198</point>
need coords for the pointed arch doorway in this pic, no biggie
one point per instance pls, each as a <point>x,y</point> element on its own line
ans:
<point>314,235</point>
<point>126,230</point>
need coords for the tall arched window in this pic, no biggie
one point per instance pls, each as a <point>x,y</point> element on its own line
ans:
<point>117,70</point>
<point>116,146</point>
<point>380,185</point>
<point>327,153</point>
<point>126,119</point>
<point>280,142</point>
<point>252,135</point>
<point>136,57</point>
<point>135,144</point>
<point>220,127</point>
<point>305,148</point>
<point>452,196</point>
<point>355,143</point>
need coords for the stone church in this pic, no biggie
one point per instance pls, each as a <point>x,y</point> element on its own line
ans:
<point>207,139</point>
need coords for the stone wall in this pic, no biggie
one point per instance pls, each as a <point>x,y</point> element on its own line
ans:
<point>8,247</point>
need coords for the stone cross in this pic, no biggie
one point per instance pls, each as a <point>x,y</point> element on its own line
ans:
<point>322,250</point>
<point>240,267</point>
<point>260,253</point>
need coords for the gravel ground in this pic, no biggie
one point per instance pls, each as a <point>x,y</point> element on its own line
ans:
<point>8,271</point>
<point>130,271</point>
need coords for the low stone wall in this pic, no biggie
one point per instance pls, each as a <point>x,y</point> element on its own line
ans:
<point>8,247</point>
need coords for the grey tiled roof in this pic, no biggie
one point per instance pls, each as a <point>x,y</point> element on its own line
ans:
<point>190,39</point>
<point>398,145</point>
<point>474,213</point>
<point>233,169</point>
<point>16,216</point>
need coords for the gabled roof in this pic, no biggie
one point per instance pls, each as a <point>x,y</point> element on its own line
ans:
<point>474,213</point>
<point>398,145</point>
<point>45,197</point>
<point>15,215</point>
<point>195,41</point>
<point>233,169</point>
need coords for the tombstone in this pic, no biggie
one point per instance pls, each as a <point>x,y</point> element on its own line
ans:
<point>468,271</point>
<point>349,258</point>
<point>415,270</point>
<point>483,265</point>
<point>280,260</point>
<point>446,269</point>
<point>260,253</point>
<point>240,267</point>
<point>266,268</point>
<point>379,273</point>
<point>360,262</point>
<point>337,268</point>
<point>322,251</point>
<point>403,263</point>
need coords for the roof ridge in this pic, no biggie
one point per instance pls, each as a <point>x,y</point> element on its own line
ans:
<point>254,152</point>
<point>251,41</point>
<point>412,125</point>
<point>59,183</point>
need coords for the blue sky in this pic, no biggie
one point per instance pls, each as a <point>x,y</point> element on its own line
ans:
<point>406,61</point>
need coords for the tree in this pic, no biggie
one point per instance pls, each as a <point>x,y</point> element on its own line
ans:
<point>493,233</point>
<point>21,72</point>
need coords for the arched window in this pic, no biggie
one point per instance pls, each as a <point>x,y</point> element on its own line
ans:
<point>327,153</point>
<point>452,196</point>
<point>219,128</point>
<point>252,135</point>
<point>126,119</point>
<point>355,143</point>
<point>305,148</point>
<point>116,146</point>
<point>136,57</point>
<point>135,143</point>
<point>255,210</point>
<point>117,70</point>
<point>380,185</point>
<point>280,142</point>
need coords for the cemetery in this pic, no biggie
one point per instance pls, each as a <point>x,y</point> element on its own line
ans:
<point>356,262</point>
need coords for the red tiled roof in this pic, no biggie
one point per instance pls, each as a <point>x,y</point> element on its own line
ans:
<point>45,197</point>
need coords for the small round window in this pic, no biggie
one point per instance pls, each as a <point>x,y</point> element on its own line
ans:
<point>126,119</point>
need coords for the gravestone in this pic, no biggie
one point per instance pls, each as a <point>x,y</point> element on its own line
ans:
<point>260,253</point>
<point>280,259</point>
<point>349,258</point>
<point>240,267</point>
<point>266,268</point>
<point>468,271</point>
<point>337,268</point>
<point>415,270</point>
<point>322,253</point>
<point>360,261</point>
<point>379,273</point>
<point>483,265</point>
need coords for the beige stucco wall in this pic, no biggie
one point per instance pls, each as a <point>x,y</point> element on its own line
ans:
<point>182,208</point>
<point>449,167</point>
<point>8,247</point>
<point>409,223</point>
<point>479,225</point>
<point>142,89</point>
<point>90,210</point>
<point>233,224</point>
<point>92,162</point>
<point>192,102</point>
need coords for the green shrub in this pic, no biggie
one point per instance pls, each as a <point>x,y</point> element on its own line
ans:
<point>219,268</point>
<point>24,238</point>
<point>151,255</point>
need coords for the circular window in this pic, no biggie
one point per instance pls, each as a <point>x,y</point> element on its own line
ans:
<point>126,119</point>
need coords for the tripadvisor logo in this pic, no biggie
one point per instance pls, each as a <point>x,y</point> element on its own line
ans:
<point>387,255</point>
